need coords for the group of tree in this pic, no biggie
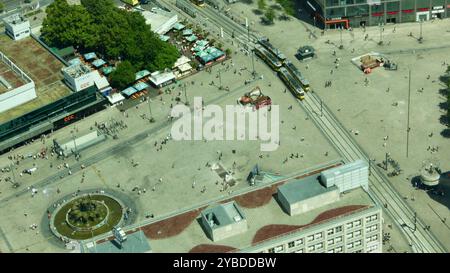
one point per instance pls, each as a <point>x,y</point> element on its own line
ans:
<point>115,34</point>
<point>269,13</point>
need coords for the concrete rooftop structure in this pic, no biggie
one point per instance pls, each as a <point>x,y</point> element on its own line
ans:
<point>265,219</point>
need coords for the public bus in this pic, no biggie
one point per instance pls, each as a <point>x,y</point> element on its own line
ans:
<point>298,75</point>
<point>293,84</point>
<point>200,3</point>
<point>268,57</point>
<point>267,45</point>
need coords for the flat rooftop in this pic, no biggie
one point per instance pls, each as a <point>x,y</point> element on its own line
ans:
<point>303,189</point>
<point>135,243</point>
<point>77,70</point>
<point>15,19</point>
<point>9,76</point>
<point>266,219</point>
<point>42,67</point>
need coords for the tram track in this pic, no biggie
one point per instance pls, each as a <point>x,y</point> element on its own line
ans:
<point>380,189</point>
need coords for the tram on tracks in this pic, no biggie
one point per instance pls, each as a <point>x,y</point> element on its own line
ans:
<point>268,46</point>
<point>268,57</point>
<point>298,75</point>
<point>292,83</point>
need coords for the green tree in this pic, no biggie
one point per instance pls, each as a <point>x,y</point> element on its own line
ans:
<point>269,15</point>
<point>228,51</point>
<point>113,33</point>
<point>123,75</point>
<point>262,4</point>
<point>67,25</point>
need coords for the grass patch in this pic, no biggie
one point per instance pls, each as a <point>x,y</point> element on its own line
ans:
<point>115,214</point>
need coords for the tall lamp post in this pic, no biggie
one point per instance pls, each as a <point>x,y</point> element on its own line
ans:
<point>253,64</point>
<point>151,119</point>
<point>420,36</point>
<point>186,102</point>
<point>381,33</point>
<point>407,122</point>
<point>341,46</point>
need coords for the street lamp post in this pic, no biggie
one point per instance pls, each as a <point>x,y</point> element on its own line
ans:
<point>74,144</point>
<point>407,122</point>
<point>151,119</point>
<point>420,36</point>
<point>186,102</point>
<point>220,80</point>
<point>381,33</point>
<point>253,64</point>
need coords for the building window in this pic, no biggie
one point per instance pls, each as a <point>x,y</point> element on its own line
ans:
<point>318,235</point>
<point>338,249</point>
<point>357,233</point>
<point>338,229</point>
<point>319,246</point>
<point>338,239</point>
<point>349,245</point>
<point>372,248</point>
<point>358,251</point>
<point>330,231</point>
<point>271,250</point>
<point>350,235</point>
<point>310,238</point>
<point>330,251</point>
<point>279,248</point>
<point>371,218</point>
<point>330,242</point>
<point>358,243</point>
<point>298,242</point>
<point>299,251</point>
<point>349,225</point>
<point>372,238</point>
<point>371,228</point>
<point>357,223</point>
<point>310,248</point>
<point>291,244</point>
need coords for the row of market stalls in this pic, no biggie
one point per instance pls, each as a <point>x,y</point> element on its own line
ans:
<point>143,80</point>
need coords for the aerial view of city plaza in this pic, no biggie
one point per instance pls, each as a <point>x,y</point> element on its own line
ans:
<point>225,126</point>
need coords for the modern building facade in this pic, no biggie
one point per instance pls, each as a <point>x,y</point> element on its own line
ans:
<point>17,27</point>
<point>357,13</point>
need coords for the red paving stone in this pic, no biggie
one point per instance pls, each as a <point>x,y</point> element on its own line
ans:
<point>171,226</point>
<point>207,248</point>
<point>270,231</point>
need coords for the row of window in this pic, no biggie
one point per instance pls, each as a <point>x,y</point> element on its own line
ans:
<point>371,218</point>
<point>336,250</point>
<point>371,228</point>
<point>356,223</point>
<point>372,248</point>
<point>334,240</point>
<point>331,231</point>
<point>372,238</point>
<point>315,247</point>
<point>354,244</point>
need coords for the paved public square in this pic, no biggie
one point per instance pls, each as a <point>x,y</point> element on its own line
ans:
<point>380,108</point>
<point>168,171</point>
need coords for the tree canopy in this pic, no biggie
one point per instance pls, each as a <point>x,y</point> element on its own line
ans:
<point>115,34</point>
<point>123,75</point>
<point>270,15</point>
